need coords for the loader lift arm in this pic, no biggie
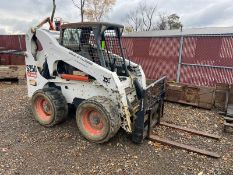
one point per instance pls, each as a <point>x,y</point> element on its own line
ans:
<point>46,20</point>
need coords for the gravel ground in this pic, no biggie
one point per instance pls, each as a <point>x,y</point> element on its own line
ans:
<point>28,148</point>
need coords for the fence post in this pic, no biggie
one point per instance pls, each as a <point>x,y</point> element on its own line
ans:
<point>180,59</point>
<point>20,44</point>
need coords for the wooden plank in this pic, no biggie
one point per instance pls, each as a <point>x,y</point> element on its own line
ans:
<point>228,119</point>
<point>21,72</point>
<point>183,146</point>
<point>201,133</point>
<point>220,96</point>
<point>230,109</point>
<point>173,92</point>
<point>228,124</point>
<point>12,72</point>
<point>198,96</point>
<point>206,97</point>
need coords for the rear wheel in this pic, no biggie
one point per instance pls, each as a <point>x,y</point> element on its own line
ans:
<point>49,106</point>
<point>97,119</point>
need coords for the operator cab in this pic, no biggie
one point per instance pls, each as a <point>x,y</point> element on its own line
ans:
<point>97,41</point>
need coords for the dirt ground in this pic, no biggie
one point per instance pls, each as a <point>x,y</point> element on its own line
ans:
<point>28,148</point>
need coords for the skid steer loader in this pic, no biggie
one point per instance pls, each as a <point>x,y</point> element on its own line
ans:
<point>84,65</point>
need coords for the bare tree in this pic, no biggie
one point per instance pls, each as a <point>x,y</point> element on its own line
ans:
<point>169,22</point>
<point>48,20</point>
<point>81,6</point>
<point>147,14</point>
<point>54,9</point>
<point>128,29</point>
<point>142,17</point>
<point>162,23</point>
<point>97,9</point>
<point>134,20</point>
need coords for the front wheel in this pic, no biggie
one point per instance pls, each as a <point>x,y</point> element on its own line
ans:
<point>98,119</point>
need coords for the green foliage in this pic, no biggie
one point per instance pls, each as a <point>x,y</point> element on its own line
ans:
<point>171,22</point>
<point>174,22</point>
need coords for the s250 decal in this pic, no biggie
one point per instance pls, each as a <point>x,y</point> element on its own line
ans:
<point>31,71</point>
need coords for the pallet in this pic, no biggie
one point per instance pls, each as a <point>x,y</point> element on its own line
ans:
<point>12,73</point>
<point>228,123</point>
<point>229,119</point>
<point>230,110</point>
<point>197,96</point>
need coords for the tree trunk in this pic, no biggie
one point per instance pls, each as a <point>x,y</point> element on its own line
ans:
<point>54,9</point>
<point>81,9</point>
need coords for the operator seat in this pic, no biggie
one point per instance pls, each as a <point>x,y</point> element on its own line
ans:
<point>84,43</point>
<point>87,49</point>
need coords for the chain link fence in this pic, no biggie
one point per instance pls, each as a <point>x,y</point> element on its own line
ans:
<point>203,60</point>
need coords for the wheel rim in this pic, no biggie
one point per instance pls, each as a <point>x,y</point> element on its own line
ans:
<point>93,123</point>
<point>43,109</point>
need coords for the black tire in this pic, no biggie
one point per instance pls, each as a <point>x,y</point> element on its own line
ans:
<point>49,106</point>
<point>98,119</point>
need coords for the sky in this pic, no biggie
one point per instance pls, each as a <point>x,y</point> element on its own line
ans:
<point>17,16</point>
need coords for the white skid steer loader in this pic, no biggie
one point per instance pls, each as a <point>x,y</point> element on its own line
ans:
<point>84,65</point>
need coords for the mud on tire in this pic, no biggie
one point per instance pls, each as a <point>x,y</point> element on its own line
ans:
<point>98,119</point>
<point>49,106</point>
